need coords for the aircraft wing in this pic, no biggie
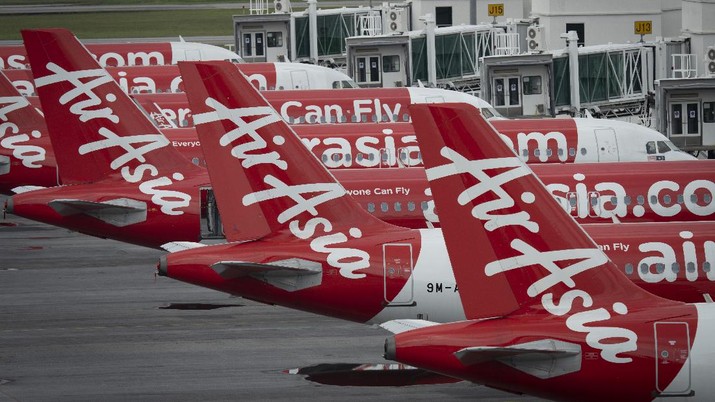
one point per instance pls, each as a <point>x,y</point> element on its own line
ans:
<point>291,274</point>
<point>24,189</point>
<point>118,212</point>
<point>545,358</point>
<point>175,246</point>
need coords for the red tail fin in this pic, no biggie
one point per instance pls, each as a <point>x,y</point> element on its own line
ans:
<point>95,129</point>
<point>262,174</point>
<point>27,120</point>
<point>503,228</point>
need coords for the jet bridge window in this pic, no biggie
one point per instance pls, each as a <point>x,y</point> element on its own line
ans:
<point>274,39</point>
<point>531,85</point>
<point>709,112</point>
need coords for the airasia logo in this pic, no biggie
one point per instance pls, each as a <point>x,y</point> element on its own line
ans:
<point>12,139</point>
<point>610,340</point>
<point>307,197</point>
<point>87,105</point>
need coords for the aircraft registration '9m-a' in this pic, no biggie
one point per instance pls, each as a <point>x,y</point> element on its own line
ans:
<point>561,323</point>
<point>102,197</point>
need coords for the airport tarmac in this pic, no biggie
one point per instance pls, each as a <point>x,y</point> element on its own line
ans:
<point>83,318</point>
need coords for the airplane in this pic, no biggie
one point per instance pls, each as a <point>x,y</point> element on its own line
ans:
<point>130,54</point>
<point>559,140</point>
<point>296,239</point>
<point>561,323</point>
<point>105,201</point>
<point>166,79</point>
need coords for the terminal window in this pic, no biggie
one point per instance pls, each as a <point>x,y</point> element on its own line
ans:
<point>274,39</point>
<point>443,16</point>
<point>708,112</point>
<point>580,30</point>
<point>391,64</point>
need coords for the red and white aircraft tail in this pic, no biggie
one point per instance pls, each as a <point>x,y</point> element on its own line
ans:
<point>270,183</point>
<point>108,132</point>
<point>493,198</point>
<point>562,319</point>
<point>23,142</point>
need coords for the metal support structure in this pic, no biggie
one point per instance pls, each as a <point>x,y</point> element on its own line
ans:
<point>313,29</point>
<point>429,21</point>
<point>572,47</point>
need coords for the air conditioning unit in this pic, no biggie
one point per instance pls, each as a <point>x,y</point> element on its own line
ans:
<point>281,6</point>
<point>395,21</point>
<point>535,38</point>
<point>710,61</point>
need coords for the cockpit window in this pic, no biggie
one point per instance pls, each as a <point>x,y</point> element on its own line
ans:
<point>663,147</point>
<point>650,147</point>
<point>344,84</point>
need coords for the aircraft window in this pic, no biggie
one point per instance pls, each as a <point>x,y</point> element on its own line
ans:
<point>594,201</point>
<point>650,147</point>
<point>350,84</point>
<point>641,200</point>
<point>487,114</point>
<point>348,157</point>
<point>694,198</point>
<point>364,119</point>
<point>663,147</point>
<point>398,206</point>
<point>403,156</point>
<point>195,161</point>
<point>549,152</point>
<point>424,205</point>
<point>374,118</point>
<point>336,84</point>
<point>653,199</point>
<point>691,267</point>
<point>312,119</point>
<point>707,198</point>
<point>572,201</point>
<point>675,267</point>
<point>410,206</point>
<point>525,153</point>
<point>680,199</point>
<point>336,157</point>
<point>666,199</point>
<point>614,200</point>
<point>627,200</point>
<point>353,119</point>
<point>333,119</point>
<point>291,120</point>
<point>572,151</point>
<point>405,117</point>
<point>370,207</point>
<point>325,158</point>
<point>537,152</point>
<point>384,207</point>
<point>706,266</point>
<point>343,119</point>
<point>644,268</point>
<point>660,267</point>
<point>583,151</point>
<point>395,117</point>
<point>629,269</point>
<point>561,152</point>
<point>359,157</point>
<point>419,156</point>
<point>384,157</point>
<point>371,157</point>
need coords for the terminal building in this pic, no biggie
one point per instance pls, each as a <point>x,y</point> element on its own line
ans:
<point>645,61</point>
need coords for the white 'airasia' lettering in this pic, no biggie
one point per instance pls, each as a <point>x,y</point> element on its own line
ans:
<point>562,265</point>
<point>664,266</point>
<point>30,155</point>
<point>170,201</point>
<point>307,197</point>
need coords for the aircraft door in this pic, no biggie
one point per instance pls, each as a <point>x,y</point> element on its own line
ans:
<point>300,79</point>
<point>607,145</point>
<point>672,349</point>
<point>684,127</point>
<point>398,283</point>
<point>253,47</point>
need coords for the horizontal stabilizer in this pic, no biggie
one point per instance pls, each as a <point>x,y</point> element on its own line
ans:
<point>175,246</point>
<point>118,212</point>
<point>400,326</point>
<point>291,274</point>
<point>546,358</point>
<point>370,375</point>
<point>25,189</point>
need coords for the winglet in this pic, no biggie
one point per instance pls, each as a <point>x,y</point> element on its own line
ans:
<point>263,176</point>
